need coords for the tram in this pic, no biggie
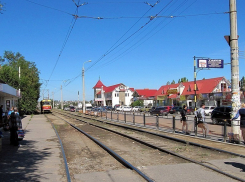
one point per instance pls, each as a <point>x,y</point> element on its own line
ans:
<point>45,106</point>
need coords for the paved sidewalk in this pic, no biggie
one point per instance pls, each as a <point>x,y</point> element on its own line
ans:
<point>39,157</point>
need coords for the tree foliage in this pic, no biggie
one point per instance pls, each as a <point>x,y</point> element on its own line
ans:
<point>242,84</point>
<point>173,82</point>
<point>137,103</point>
<point>181,80</point>
<point>28,82</point>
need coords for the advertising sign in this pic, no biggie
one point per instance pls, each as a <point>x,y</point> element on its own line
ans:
<point>210,63</point>
<point>172,91</point>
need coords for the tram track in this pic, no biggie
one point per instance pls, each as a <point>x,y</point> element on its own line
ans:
<point>149,144</point>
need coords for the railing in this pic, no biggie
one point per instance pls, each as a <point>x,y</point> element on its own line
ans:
<point>169,123</point>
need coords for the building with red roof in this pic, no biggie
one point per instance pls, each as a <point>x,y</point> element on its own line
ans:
<point>147,95</point>
<point>213,92</point>
<point>112,95</point>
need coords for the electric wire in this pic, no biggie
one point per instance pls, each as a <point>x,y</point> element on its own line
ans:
<point>50,7</point>
<point>127,37</point>
<point>178,7</point>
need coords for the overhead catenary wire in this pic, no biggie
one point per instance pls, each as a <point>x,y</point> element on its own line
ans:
<point>127,38</point>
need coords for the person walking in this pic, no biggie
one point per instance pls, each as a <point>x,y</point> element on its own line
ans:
<point>200,116</point>
<point>14,125</point>
<point>184,120</point>
<point>1,115</point>
<point>241,113</point>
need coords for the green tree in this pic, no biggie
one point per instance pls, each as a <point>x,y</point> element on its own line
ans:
<point>28,82</point>
<point>168,83</point>
<point>181,80</point>
<point>242,84</point>
<point>137,103</point>
<point>173,82</point>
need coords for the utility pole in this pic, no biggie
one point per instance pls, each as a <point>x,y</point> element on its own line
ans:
<point>234,69</point>
<point>53,98</point>
<point>84,86</point>
<point>61,98</point>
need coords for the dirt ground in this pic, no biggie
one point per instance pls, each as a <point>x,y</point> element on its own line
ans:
<point>84,156</point>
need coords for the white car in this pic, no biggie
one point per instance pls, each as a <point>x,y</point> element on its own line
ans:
<point>119,108</point>
<point>208,110</point>
<point>136,108</point>
<point>127,108</point>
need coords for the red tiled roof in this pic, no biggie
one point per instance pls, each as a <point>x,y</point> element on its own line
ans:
<point>165,88</point>
<point>146,92</point>
<point>203,86</point>
<point>111,88</point>
<point>99,84</point>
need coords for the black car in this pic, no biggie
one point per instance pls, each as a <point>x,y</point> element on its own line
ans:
<point>176,109</point>
<point>219,114</point>
<point>159,111</point>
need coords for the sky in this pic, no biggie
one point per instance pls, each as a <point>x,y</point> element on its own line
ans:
<point>142,44</point>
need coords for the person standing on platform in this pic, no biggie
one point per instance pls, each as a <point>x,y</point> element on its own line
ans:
<point>241,113</point>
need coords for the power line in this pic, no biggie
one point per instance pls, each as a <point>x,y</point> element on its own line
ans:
<point>127,38</point>
<point>50,7</point>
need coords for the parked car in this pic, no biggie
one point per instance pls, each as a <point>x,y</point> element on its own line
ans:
<point>136,108</point>
<point>119,108</point>
<point>66,109</point>
<point>190,110</point>
<point>145,109</point>
<point>160,111</point>
<point>219,114</point>
<point>108,108</point>
<point>115,107</point>
<point>176,109</point>
<point>208,110</point>
<point>126,108</point>
<point>72,109</point>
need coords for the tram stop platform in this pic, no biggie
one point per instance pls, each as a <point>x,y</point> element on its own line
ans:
<point>38,158</point>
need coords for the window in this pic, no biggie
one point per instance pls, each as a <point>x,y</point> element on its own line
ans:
<point>115,95</point>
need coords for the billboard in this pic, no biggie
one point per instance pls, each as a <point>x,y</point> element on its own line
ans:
<point>210,63</point>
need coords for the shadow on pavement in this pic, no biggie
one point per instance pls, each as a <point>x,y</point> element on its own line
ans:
<point>20,163</point>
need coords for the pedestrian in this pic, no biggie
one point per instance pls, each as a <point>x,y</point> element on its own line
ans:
<point>241,113</point>
<point>1,115</point>
<point>14,125</point>
<point>184,120</point>
<point>200,116</point>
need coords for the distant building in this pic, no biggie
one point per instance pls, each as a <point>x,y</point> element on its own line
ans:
<point>213,92</point>
<point>146,95</point>
<point>8,95</point>
<point>112,95</point>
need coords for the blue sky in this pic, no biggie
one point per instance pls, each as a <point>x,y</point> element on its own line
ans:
<point>125,46</point>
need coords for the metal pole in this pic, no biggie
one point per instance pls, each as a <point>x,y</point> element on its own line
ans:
<point>225,131</point>
<point>144,118</point>
<point>133,118</point>
<point>111,115</point>
<point>157,122</point>
<point>173,123</point>
<point>234,68</point>
<point>195,97</point>
<point>125,117</point>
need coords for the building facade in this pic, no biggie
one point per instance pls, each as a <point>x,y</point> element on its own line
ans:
<point>112,95</point>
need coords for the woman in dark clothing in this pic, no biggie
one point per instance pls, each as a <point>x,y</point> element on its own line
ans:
<point>184,120</point>
<point>241,113</point>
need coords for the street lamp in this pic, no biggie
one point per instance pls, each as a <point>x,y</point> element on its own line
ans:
<point>84,86</point>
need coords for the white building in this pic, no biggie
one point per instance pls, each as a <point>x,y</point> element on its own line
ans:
<point>8,96</point>
<point>112,95</point>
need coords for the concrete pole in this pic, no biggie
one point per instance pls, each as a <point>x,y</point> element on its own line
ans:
<point>53,98</point>
<point>61,98</point>
<point>83,90</point>
<point>84,86</point>
<point>234,68</point>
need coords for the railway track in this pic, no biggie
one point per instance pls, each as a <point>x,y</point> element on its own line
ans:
<point>155,142</point>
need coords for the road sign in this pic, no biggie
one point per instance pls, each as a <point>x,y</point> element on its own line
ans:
<point>210,63</point>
